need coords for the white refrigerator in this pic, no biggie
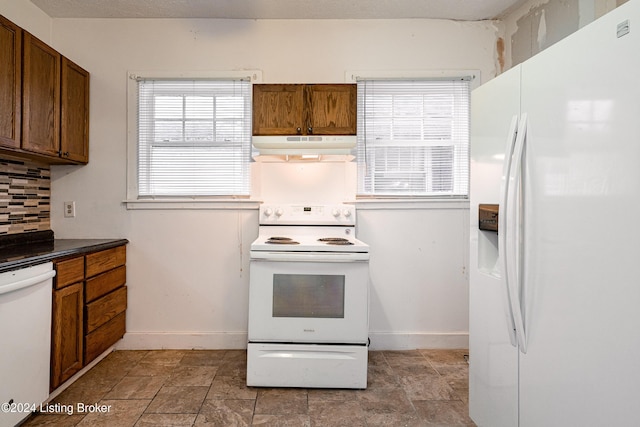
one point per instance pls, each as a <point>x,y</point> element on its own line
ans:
<point>555,293</point>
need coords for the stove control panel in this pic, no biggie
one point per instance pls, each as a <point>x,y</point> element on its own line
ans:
<point>308,214</point>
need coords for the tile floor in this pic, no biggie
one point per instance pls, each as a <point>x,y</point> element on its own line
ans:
<point>202,387</point>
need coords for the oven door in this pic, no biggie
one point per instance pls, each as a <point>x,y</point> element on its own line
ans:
<point>308,298</point>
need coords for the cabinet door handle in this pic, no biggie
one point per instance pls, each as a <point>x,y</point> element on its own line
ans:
<point>299,130</point>
<point>309,130</point>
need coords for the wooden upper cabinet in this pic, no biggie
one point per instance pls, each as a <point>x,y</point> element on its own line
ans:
<point>331,109</point>
<point>74,136</point>
<point>40,97</point>
<point>278,109</point>
<point>299,109</point>
<point>10,83</point>
<point>44,100</point>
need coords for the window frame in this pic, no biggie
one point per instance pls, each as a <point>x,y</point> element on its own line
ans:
<point>402,199</point>
<point>134,200</point>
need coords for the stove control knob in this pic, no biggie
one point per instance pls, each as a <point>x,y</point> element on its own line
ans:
<point>346,213</point>
<point>268,212</point>
<point>335,212</point>
<point>279,212</point>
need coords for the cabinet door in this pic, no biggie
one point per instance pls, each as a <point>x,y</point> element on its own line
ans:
<point>40,97</point>
<point>331,109</point>
<point>278,109</point>
<point>67,333</point>
<point>10,81</point>
<point>74,136</point>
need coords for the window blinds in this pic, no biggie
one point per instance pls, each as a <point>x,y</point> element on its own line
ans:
<point>194,137</point>
<point>413,137</point>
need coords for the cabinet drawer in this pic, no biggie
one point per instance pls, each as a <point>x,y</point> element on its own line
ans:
<point>106,308</point>
<point>104,283</point>
<point>69,272</point>
<point>102,261</point>
<point>104,337</point>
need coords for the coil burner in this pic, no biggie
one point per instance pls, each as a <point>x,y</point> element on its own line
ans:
<point>340,241</point>
<point>277,240</point>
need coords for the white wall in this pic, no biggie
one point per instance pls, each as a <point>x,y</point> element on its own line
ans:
<point>537,24</point>
<point>419,272</point>
<point>187,271</point>
<point>28,16</point>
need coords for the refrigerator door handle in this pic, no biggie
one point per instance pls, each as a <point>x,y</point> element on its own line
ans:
<point>513,245</point>
<point>502,226</point>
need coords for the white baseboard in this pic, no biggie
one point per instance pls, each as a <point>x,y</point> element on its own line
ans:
<point>183,340</point>
<point>415,340</point>
<point>238,340</point>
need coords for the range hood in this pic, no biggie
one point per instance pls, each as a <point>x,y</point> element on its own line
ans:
<point>304,144</point>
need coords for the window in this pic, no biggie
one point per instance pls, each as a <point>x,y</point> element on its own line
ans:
<point>194,137</point>
<point>413,138</point>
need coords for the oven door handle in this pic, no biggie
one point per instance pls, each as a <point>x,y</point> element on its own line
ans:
<point>310,256</point>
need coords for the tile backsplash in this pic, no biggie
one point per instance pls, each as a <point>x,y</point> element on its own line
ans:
<point>25,196</point>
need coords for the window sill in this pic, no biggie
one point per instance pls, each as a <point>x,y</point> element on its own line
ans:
<point>249,204</point>
<point>191,204</point>
<point>409,203</point>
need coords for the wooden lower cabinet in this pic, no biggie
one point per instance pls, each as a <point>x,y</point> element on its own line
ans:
<point>104,337</point>
<point>89,306</point>
<point>104,283</point>
<point>68,272</point>
<point>100,262</point>
<point>67,333</point>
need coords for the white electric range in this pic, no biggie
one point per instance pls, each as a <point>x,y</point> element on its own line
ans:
<point>308,299</point>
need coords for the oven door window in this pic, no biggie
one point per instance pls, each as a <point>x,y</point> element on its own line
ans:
<point>308,295</point>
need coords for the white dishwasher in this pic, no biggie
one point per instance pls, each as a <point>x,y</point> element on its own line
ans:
<point>25,319</point>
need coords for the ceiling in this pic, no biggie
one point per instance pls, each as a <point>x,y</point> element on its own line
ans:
<point>466,10</point>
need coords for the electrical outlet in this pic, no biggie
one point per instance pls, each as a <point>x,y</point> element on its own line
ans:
<point>69,209</point>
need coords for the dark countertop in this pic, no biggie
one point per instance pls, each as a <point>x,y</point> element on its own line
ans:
<point>21,256</point>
